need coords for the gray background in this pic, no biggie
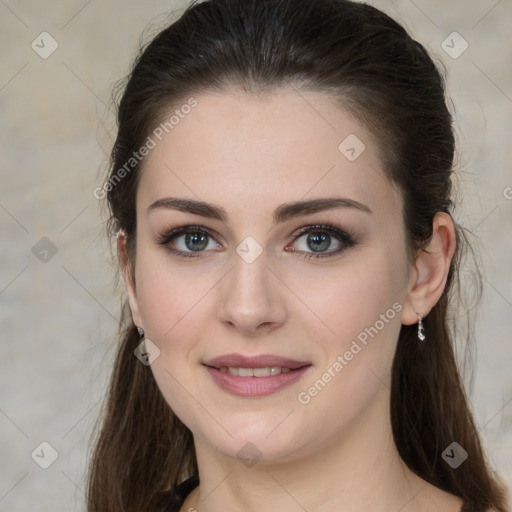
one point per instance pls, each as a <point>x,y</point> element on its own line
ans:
<point>58,317</point>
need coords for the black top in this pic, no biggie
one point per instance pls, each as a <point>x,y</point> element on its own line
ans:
<point>175,499</point>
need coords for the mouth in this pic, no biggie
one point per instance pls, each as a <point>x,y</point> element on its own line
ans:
<point>266,371</point>
<point>254,376</point>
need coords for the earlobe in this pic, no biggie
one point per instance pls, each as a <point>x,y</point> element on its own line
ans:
<point>430,272</point>
<point>128,277</point>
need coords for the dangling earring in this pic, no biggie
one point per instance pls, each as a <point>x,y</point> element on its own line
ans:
<point>141,331</point>
<point>421,330</point>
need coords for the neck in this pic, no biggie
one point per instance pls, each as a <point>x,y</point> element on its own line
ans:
<point>360,470</point>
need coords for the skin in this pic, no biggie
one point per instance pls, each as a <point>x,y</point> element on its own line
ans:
<point>249,155</point>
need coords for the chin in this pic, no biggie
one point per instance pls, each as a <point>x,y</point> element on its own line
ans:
<point>264,440</point>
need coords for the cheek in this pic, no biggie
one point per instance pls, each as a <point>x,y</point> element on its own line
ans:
<point>171,304</point>
<point>360,307</point>
<point>169,296</point>
<point>356,295</point>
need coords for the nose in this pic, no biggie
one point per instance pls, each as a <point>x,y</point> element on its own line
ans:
<point>251,299</point>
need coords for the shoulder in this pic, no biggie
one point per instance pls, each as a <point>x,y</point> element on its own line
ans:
<point>430,497</point>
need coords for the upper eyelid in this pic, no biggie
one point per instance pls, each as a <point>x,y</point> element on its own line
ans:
<point>323,227</point>
<point>192,228</point>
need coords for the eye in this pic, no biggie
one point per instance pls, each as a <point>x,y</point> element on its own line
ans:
<point>191,241</point>
<point>320,238</point>
<point>194,240</point>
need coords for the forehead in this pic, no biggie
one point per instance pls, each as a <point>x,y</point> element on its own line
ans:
<point>244,149</point>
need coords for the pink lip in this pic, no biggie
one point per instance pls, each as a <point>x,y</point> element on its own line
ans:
<point>254,386</point>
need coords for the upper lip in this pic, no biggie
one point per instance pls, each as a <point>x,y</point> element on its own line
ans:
<point>260,361</point>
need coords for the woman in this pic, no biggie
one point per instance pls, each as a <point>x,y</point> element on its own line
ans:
<point>280,189</point>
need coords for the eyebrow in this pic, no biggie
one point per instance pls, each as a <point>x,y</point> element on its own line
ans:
<point>282,213</point>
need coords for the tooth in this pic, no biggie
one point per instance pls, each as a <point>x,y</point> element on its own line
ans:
<point>266,371</point>
<point>262,372</point>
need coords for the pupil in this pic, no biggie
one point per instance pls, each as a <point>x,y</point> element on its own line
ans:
<point>195,241</point>
<point>320,242</point>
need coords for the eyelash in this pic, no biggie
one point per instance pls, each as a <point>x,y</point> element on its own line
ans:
<point>346,239</point>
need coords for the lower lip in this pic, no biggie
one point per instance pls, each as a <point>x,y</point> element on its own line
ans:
<point>255,386</point>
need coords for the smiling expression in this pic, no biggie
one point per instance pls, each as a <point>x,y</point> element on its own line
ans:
<point>261,245</point>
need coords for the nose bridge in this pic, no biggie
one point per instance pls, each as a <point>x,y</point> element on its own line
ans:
<point>250,297</point>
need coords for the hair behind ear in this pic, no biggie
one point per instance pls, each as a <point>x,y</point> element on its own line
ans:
<point>137,457</point>
<point>430,411</point>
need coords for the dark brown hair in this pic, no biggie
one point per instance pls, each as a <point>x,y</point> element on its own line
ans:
<point>375,71</point>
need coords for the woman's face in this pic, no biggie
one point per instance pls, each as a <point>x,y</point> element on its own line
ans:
<point>260,286</point>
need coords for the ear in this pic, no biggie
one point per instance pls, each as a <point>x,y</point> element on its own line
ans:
<point>128,277</point>
<point>428,276</point>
